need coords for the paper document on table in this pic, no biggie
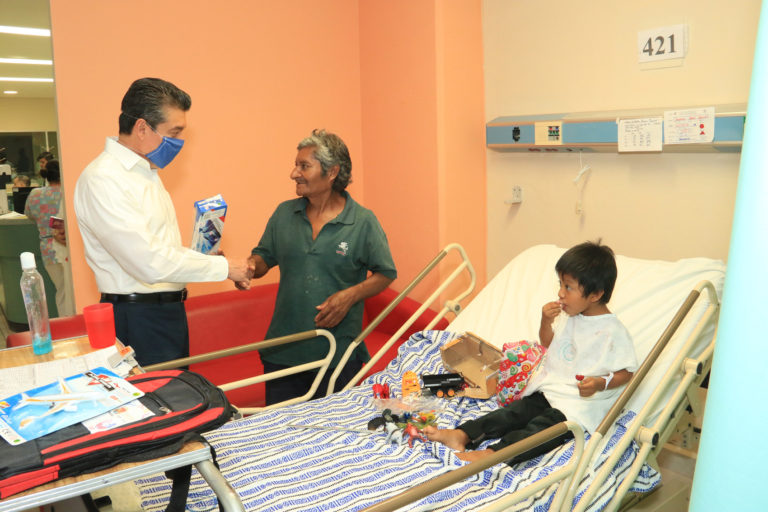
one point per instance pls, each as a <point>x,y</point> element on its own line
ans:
<point>20,378</point>
<point>642,134</point>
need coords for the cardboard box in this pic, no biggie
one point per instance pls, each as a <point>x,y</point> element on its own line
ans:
<point>209,224</point>
<point>477,361</point>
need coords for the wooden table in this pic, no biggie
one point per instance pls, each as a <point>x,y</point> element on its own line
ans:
<point>196,453</point>
<point>62,349</point>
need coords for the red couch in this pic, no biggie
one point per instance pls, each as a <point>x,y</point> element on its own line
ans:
<point>227,319</point>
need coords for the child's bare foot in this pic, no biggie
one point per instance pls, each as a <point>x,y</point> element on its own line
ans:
<point>474,455</point>
<point>453,438</point>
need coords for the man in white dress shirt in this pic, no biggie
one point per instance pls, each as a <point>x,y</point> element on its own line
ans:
<point>129,227</point>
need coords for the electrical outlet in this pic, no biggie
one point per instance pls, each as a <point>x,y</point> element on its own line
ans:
<point>517,195</point>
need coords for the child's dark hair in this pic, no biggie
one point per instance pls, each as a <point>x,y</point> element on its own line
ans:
<point>593,265</point>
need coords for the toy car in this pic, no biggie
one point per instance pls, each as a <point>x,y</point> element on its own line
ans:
<point>443,384</point>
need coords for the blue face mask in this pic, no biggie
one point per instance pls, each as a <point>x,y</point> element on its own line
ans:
<point>165,152</point>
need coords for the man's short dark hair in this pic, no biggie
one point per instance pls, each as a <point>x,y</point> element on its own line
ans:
<point>146,98</point>
<point>45,154</point>
<point>53,171</point>
<point>593,265</point>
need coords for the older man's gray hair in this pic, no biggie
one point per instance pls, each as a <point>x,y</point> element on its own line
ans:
<point>330,150</point>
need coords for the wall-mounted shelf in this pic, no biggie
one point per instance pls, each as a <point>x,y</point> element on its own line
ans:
<point>598,131</point>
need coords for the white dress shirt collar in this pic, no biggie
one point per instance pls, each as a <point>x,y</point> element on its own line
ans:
<point>127,157</point>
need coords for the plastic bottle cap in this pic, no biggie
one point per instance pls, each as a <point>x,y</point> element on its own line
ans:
<point>28,260</point>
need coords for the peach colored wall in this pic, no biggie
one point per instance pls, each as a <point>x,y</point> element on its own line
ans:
<point>398,80</point>
<point>423,131</point>
<point>401,85</point>
<point>261,76</point>
<point>461,130</point>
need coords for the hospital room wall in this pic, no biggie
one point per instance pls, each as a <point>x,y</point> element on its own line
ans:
<point>262,75</point>
<point>423,131</point>
<point>27,115</point>
<point>583,59</point>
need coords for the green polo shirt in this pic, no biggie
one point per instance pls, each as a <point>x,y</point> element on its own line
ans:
<point>346,249</point>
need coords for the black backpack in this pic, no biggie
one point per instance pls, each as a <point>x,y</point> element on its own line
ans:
<point>185,404</point>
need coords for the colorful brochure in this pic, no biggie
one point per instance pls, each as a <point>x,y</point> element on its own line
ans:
<point>40,411</point>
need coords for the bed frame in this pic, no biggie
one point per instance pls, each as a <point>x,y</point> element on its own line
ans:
<point>449,306</point>
<point>678,388</point>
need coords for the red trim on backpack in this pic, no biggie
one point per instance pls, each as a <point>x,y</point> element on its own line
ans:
<point>156,373</point>
<point>24,481</point>
<point>152,381</point>
<point>186,426</point>
<point>113,431</point>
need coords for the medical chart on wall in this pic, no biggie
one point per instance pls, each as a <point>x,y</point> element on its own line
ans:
<point>643,134</point>
<point>689,126</point>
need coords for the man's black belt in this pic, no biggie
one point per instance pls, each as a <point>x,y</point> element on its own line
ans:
<point>146,298</point>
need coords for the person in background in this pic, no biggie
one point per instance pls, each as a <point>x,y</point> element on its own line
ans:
<point>130,233</point>
<point>42,204</point>
<point>325,244</point>
<point>5,166</point>
<point>43,159</point>
<point>22,180</point>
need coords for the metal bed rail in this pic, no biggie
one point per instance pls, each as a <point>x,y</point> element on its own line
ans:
<point>563,475</point>
<point>452,306</point>
<point>649,437</point>
<point>321,364</point>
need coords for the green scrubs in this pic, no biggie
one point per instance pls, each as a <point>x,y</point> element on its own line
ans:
<point>312,270</point>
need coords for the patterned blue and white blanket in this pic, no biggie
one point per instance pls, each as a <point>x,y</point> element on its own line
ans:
<point>277,468</point>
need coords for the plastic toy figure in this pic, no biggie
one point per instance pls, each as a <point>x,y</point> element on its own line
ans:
<point>413,433</point>
<point>392,429</point>
<point>411,385</point>
<point>391,426</point>
<point>423,419</point>
<point>381,391</point>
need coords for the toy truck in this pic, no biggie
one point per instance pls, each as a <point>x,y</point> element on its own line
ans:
<point>443,384</point>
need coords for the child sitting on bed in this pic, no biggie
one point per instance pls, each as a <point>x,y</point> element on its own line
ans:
<point>593,344</point>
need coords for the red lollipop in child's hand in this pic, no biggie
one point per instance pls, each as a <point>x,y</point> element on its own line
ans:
<point>579,378</point>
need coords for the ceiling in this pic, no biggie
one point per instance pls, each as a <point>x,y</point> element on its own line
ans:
<point>30,14</point>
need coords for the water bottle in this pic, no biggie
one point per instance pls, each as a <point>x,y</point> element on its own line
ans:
<point>33,290</point>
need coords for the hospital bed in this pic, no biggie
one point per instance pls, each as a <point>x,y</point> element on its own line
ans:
<point>334,463</point>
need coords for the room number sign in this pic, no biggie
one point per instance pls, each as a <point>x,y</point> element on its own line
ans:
<point>662,43</point>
